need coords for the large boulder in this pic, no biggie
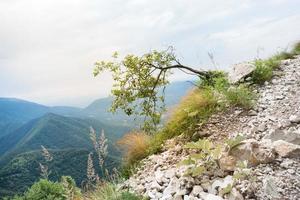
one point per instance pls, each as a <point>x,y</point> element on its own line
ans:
<point>286,149</point>
<point>253,152</point>
<point>288,136</point>
<point>240,71</point>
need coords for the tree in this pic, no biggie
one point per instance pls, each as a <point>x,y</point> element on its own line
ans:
<point>140,81</point>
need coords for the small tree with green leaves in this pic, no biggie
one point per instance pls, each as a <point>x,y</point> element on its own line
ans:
<point>139,83</point>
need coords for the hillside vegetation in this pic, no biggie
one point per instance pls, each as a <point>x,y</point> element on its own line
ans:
<point>181,143</point>
<point>67,138</point>
<point>25,126</point>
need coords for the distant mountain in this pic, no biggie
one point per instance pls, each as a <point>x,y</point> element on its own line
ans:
<point>25,126</point>
<point>16,112</point>
<point>66,137</point>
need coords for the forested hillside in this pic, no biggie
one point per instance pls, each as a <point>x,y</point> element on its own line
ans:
<point>65,132</point>
<point>67,138</point>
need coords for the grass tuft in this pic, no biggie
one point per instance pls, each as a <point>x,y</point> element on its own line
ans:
<point>134,144</point>
<point>195,108</point>
<point>109,191</point>
<point>240,96</point>
<point>296,49</point>
<point>263,70</point>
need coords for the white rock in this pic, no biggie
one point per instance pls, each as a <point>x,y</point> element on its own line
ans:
<point>239,71</point>
<point>155,185</point>
<point>173,186</point>
<point>295,118</point>
<point>221,184</point>
<point>170,173</point>
<point>208,196</point>
<point>286,149</point>
<point>167,197</point>
<point>288,136</point>
<point>270,188</point>
<point>235,195</point>
<point>196,190</point>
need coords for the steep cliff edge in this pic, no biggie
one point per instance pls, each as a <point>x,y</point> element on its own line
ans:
<point>271,149</point>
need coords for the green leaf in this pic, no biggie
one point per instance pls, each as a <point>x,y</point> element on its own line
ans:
<point>242,164</point>
<point>216,153</point>
<point>192,145</point>
<point>227,189</point>
<point>204,145</point>
<point>234,142</point>
<point>188,161</point>
<point>197,156</point>
<point>197,171</point>
<point>193,114</point>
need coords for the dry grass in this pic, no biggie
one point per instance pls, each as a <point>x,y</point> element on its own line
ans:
<point>296,49</point>
<point>110,191</point>
<point>134,144</point>
<point>193,109</point>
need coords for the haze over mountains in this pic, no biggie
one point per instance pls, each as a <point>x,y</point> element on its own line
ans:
<point>25,126</point>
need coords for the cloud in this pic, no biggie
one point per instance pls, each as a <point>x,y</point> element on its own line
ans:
<point>48,47</point>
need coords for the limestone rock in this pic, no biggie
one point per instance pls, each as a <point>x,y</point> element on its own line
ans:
<point>286,149</point>
<point>288,136</point>
<point>196,190</point>
<point>295,118</point>
<point>208,196</point>
<point>235,195</point>
<point>270,188</point>
<point>254,152</point>
<point>240,71</point>
<point>173,186</point>
<point>220,184</point>
<point>227,162</point>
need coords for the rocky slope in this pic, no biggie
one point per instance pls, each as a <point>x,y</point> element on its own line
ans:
<point>271,149</point>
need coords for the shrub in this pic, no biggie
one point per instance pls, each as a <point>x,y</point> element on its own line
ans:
<point>46,190</point>
<point>263,70</point>
<point>240,96</point>
<point>215,77</point>
<point>205,160</point>
<point>109,191</point>
<point>128,169</point>
<point>283,56</point>
<point>135,145</point>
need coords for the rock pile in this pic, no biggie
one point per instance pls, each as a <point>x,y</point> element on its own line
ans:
<point>272,150</point>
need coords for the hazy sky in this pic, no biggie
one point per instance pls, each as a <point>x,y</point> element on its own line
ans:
<point>48,47</point>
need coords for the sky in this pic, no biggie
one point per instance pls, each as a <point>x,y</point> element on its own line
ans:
<point>48,48</point>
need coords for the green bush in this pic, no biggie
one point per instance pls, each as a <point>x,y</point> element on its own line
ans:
<point>215,76</point>
<point>240,96</point>
<point>45,190</point>
<point>263,70</point>
<point>48,190</point>
<point>283,56</point>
